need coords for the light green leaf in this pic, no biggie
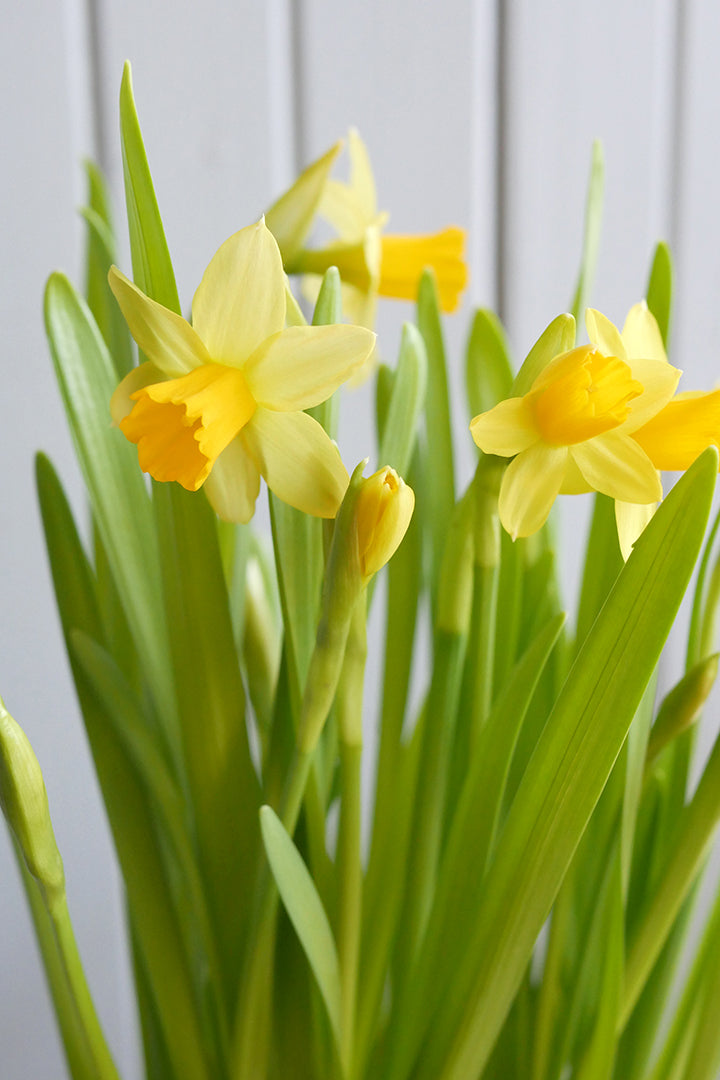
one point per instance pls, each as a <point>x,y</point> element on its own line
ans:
<point>488,370</point>
<point>115,484</point>
<point>152,268</point>
<point>557,338</point>
<point>591,239</point>
<point>328,310</point>
<point>659,289</point>
<point>305,909</point>
<point>405,404</point>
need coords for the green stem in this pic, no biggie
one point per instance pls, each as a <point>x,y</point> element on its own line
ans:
<point>100,1063</point>
<point>349,714</point>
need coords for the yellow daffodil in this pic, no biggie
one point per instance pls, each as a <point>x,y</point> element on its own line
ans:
<point>383,511</point>
<point>675,436</point>
<point>573,431</point>
<point>372,264</point>
<point>219,402</point>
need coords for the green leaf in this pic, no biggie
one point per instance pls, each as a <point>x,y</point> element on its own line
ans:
<point>565,777</point>
<point>659,289</point>
<point>488,370</point>
<point>603,563</point>
<point>328,310</point>
<point>152,268</point>
<point>406,402</point>
<point>682,705</point>
<point>150,901</point>
<point>100,255</point>
<point>591,239</point>
<point>439,496</point>
<point>305,910</point>
<point>557,338</point>
<point>115,485</point>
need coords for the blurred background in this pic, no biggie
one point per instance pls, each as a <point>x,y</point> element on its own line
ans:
<point>479,113</point>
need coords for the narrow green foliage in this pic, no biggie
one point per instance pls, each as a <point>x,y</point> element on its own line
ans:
<point>405,404</point>
<point>591,239</point>
<point>557,338</point>
<point>681,706</point>
<point>659,289</point>
<point>306,911</point>
<point>488,368</point>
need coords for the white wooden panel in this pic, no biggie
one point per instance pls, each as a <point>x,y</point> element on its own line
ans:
<point>42,60</point>
<point>573,72</point>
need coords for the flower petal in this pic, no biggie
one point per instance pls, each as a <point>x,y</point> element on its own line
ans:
<point>361,175</point>
<point>299,461</point>
<point>304,365</point>
<point>604,334</point>
<point>659,381</point>
<point>641,334</point>
<point>574,483</point>
<point>290,217</point>
<point>233,485</point>
<point>615,465</point>
<point>631,519</point>
<point>341,209</point>
<point>682,430</point>
<point>529,488</point>
<point>241,298</point>
<point>167,339</point>
<point>507,429</point>
<point>121,403</point>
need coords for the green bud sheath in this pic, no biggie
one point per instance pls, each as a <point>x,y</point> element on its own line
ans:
<point>25,804</point>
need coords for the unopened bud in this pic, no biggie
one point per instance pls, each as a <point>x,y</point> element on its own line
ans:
<point>383,510</point>
<point>25,805</point>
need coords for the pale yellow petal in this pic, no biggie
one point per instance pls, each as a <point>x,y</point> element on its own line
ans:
<point>361,175</point>
<point>299,461</point>
<point>604,334</point>
<point>304,365</point>
<point>507,429</point>
<point>641,334</point>
<point>144,375</point>
<point>290,217</point>
<point>233,485</point>
<point>574,483</point>
<point>631,519</point>
<point>615,465</point>
<point>529,488</point>
<point>167,339</point>
<point>241,298</point>
<point>659,381</point>
<point>341,209</point>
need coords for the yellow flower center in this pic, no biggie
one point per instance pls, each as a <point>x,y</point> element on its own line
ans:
<point>181,426</point>
<point>405,257</point>
<point>582,394</point>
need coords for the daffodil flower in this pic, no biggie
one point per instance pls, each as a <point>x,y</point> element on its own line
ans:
<point>373,264</point>
<point>219,402</point>
<point>573,431</point>
<point>675,436</point>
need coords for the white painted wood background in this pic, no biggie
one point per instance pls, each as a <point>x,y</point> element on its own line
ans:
<point>479,112</point>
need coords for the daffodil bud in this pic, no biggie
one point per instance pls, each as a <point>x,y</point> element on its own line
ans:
<point>383,510</point>
<point>25,805</point>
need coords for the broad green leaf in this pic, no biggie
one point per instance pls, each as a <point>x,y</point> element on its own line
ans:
<point>603,563</point>
<point>565,778</point>
<point>304,907</point>
<point>488,370</point>
<point>439,494</point>
<point>118,496</point>
<point>557,338</point>
<point>407,398</point>
<point>130,813</point>
<point>659,289</point>
<point>152,268</point>
<point>211,704</point>
<point>591,239</point>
